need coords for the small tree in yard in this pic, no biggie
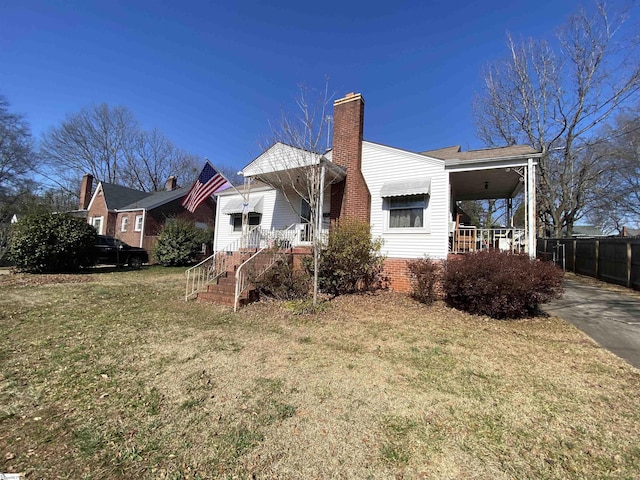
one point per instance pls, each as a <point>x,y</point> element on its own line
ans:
<point>179,243</point>
<point>500,285</point>
<point>351,260</point>
<point>52,243</point>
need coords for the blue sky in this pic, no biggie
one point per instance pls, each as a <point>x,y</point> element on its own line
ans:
<point>210,75</point>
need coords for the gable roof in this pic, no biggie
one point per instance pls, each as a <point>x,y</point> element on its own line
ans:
<point>117,196</point>
<point>156,199</point>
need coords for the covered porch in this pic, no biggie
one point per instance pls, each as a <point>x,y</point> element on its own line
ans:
<point>502,174</point>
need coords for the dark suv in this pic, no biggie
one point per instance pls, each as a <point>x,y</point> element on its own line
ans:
<point>112,251</point>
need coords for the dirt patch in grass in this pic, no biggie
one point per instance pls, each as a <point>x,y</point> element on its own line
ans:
<point>120,378</point>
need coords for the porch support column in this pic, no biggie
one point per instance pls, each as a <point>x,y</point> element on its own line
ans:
<point>531,208</point>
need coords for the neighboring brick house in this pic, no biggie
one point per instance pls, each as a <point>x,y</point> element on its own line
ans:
<point>137,217</point>
<point>410,199</point>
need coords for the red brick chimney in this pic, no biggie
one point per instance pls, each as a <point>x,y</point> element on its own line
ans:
<point>85,191</point>
<point>350,198</point>
<point>171,183</point>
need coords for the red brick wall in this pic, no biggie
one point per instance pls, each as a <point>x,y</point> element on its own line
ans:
<point>348,117</point>
<point>99,209</point>
<point>398,273</point>
<point>130,236</point>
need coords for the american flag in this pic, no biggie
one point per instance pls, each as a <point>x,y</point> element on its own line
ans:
<point>209,182</point>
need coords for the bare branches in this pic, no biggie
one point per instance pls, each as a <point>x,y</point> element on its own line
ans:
<point>16,157</point>
<point>108,143</point>
<point>553,100</point>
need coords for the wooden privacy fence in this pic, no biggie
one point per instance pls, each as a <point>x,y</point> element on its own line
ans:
<point>614,260</point>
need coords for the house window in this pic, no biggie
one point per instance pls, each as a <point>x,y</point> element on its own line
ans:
<point>124,224</point>
<point>138,225</point>
<point>407,211</point>
<point>254,219</point>
<point>96,222</point>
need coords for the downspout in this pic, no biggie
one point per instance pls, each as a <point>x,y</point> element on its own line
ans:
<point>144,221</point>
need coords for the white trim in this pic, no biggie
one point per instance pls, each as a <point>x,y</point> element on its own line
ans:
<point>136,227</point>
<point>144,218</point>
<point>531,211</point>
<point>124,223</point>
<point>95,194</point>
<point>426,218</point>
<point>93,219</point>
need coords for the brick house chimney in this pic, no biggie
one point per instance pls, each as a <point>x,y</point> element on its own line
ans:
<point>85,191</point>
<point>171,183</point>
<point>351,197</point>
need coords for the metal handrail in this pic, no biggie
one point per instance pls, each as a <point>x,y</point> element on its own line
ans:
<point>212,267</point>
<point>274,243</point>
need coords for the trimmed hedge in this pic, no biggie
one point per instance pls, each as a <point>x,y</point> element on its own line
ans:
<point>52,243</point>
<point>500,285</point>
<point>425,275</point>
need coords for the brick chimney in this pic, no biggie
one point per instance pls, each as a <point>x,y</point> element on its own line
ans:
<point>85,191</point>
<point>351,197</point>
<point>171,183</point>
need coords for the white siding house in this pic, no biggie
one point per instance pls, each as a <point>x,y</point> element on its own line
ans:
<point>410,199</point>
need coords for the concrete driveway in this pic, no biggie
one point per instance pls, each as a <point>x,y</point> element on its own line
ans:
<point>610,316</point>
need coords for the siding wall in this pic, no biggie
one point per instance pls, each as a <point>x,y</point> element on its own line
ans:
<point>276,214</point>
<point>382,164</point>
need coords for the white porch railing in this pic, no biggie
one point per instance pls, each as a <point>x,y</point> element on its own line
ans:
<point>209,269</point>
<point>253,248</point>
<point>472,239</point>
<point>274,244</point>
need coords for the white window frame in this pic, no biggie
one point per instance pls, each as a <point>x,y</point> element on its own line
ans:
<point>124,224</point>
<point>426,221</point>
<point>138,225</point>
<point>100,222</point>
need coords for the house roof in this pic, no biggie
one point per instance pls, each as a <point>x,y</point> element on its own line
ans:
<point>156,199</point>
<point>117,196</point>
<point>587,231</point>
<point>455,153</point>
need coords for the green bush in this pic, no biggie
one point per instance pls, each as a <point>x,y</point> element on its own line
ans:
<point>282,282</point>
<point>179,243</point>
<point>425,274</point>
<point>52,243</point>
<point>350,261</point>
<point>500,285</point>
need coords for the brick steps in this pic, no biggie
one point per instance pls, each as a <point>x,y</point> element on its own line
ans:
<point>224,290</point>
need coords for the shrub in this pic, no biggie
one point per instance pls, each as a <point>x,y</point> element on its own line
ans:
<point>500,285</point>
<point>351,260</point>
<point>51,243</point>
<point>425,274</point>
<point>282,282</point>
<point>179,243</point>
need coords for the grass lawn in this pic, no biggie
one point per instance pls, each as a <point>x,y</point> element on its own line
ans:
<point>112,375</point>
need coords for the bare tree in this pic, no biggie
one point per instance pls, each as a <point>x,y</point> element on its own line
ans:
<point>298,172</point>
<point>108,143</point>
<point>16,158</point>
<point>554,100</point>
<point>151,158</point>
<point>617,198</point>
<point>94,140</point>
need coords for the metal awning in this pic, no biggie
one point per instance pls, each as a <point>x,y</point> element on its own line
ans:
<point>419,186</point>
<point>237,205</point>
